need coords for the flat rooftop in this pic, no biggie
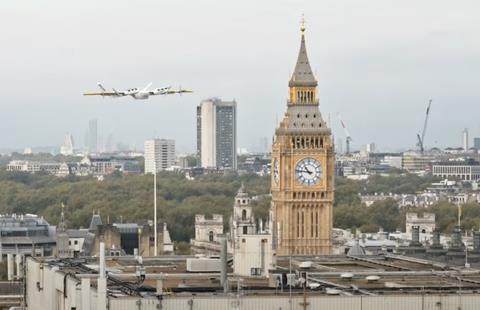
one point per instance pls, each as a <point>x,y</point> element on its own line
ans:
<point>333,275</point>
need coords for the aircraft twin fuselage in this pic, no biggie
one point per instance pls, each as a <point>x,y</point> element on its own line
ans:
<point>136,93</point>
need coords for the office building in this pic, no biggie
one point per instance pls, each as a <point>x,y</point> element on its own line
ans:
<point>392,161</point>
<point>217,134</point>
<point>370,148</point>
<point>416,162</point>
<point>92,136</point>
<point>159,155</point>
<point>476,143</point>
<point>26,234</point>
<point>467,170</point>
<point>303,164</point>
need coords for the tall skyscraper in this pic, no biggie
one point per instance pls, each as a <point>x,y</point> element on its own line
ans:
<point>109,143</point>
<point>303,160</point>
<point>92,136</point>
<point>370,148</point>
<point>159,155</point>
<point>476,143</point>
<point>465,139</point>
<point>217,134</point>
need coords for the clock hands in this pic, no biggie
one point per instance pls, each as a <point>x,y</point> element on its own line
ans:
<point>304,170</point>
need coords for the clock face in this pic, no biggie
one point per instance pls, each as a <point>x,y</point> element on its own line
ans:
<point>308,171</point>
<point>276,173</point>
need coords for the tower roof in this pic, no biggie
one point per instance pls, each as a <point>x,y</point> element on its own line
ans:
<point>96,221</point>
<point>302,75</point>
<point>62,226</point>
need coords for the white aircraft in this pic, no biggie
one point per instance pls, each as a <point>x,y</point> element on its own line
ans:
<point>139,94</point>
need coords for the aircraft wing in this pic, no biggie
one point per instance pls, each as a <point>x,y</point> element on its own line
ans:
<point>107,93</point>
<point>104,92</point>
<point>182,91</point>
<point>178,91</point>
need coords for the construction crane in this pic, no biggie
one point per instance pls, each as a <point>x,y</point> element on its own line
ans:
<point>348,138</point>
<point>421,139</point>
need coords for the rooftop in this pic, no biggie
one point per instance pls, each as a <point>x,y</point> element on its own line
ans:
<point>347,275</point>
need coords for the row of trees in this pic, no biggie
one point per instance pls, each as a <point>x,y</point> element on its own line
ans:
<point>349,213</point>
<point>127,198</point>
<point>130,199</point>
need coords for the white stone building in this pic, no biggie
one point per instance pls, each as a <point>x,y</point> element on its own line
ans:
<point>208,230</point>
<point>253,253</point>
<point>426,222</point>
<point>457,170</point>
<point>159,155</point>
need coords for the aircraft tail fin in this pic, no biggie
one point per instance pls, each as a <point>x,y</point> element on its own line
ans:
<point>147,87</point>
<point>101,86</point>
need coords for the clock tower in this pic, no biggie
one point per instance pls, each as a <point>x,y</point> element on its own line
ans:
<point>302,169</point>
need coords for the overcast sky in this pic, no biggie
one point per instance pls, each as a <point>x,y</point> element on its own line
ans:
<point>378,62</point>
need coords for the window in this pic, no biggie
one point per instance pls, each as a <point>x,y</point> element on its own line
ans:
<point>298,224</point>
<point>311,224</point>
<point>210,236</point>
<point>256,271</point>
<point>75,242</point>
<point>244,215</point>
<point>303,224</point>
<point>245,230</point>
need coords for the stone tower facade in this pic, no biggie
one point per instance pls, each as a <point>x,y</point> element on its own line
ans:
<point>302,169</point>
<point>62,246</point>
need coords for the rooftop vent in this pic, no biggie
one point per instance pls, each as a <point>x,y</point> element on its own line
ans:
<point>346,276</point>
<point>306,265</point>
<point>333,291</point>
<point>372,278</point>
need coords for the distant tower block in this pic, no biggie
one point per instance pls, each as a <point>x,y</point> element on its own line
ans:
<point>465,141</point>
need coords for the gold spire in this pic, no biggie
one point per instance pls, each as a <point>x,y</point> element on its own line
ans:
<point>302,74</point>
<point>302,23</point>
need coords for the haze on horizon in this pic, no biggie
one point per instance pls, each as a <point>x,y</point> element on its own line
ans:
<point>377,63</point>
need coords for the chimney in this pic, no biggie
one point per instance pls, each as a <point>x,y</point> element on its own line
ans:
<point>101,262</point>
<point>18,261</point>
<point>476,241</point>
<point>456,243</point>
<point>102,281</point>
<point>10,267</point>
<point>436,239</point>
<point>223,259</point>
<point>415,235</point>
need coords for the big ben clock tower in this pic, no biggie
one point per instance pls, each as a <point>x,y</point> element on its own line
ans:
<point>302,169</point>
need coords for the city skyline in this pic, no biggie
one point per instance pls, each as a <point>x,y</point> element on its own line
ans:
<point>378,78</point>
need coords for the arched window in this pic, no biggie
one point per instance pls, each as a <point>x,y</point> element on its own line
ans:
<point>311,224</point>
<point>298,224</point>
<point>210,236</point>
<point>244,215</point>
<point>303,224</point>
